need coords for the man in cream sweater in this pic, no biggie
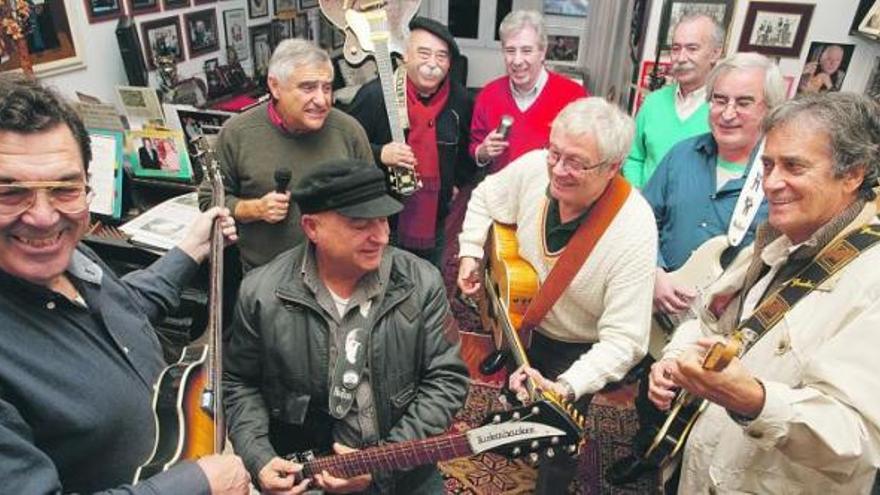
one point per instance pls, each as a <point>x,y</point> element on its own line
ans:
<point>598,328</point>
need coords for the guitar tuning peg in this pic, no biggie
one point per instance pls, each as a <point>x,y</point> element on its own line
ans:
<point>572,449</point>
<point>516,415</point>
<point>533,459</point>
<point>496,419</point>
<point>516,451</point>
<point>550,453</point>
<point>535,445</point>
<point>535,410</point>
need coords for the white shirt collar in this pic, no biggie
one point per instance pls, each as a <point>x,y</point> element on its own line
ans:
<point>524,99</point>
<point>686,105</point>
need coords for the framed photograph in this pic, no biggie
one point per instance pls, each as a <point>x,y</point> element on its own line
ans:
<point>673,10</point>
<point>56,47</point>
<point>301,26</point>
<point>871,22</point>
<point>175,4</point>
<point>872,89</point>
<point>158,154</point>
<point>282,6</point>
<point>282,29</point>
<point>137,7</point>
<point>235,28</point>
<point>661,72</point>
<point>563,48</point>
<point>575,8</point>
<point>826,67</point>
<point>201,32</point>
<point>103,10</point>
<point>105,172</point>
<point>162,37</point>
<point>776,28</point>
<point>261,47</point>
<point>258,8</point>
<point>307,4</point>
<point>192,91</point>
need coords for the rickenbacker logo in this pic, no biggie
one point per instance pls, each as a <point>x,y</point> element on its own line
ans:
<point>497,435</point>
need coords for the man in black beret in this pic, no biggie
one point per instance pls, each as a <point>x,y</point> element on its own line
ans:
<point>439,115</point>
<point>341,342</point>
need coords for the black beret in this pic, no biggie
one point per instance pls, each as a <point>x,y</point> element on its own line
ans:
<point>352,188</point>
<point>437,29</point>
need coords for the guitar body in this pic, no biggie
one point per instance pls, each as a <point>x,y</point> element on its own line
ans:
<point>701,269</point>
<point>672,435</point>
<point>399,12</point>
<point>184,429</point>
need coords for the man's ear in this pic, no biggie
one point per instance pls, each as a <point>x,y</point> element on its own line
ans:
<point>309,224</point>
<point>274,87</point>
<point>853,178</point>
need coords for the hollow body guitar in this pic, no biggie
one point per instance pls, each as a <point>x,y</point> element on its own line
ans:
<point>188,398</point>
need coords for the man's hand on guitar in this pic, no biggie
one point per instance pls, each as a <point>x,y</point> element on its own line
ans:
<point>469,275</point>
<point>732,388</point>
<point>397,155</point>
<point>668,297</point>
<point>332,484</point>
<point>197,243</point>
<point>518,383</point>
<point>226,474</point>
<point>661,388</point>
<point>278,477</point>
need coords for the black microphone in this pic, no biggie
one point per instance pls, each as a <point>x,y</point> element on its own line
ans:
<point>282,179</point>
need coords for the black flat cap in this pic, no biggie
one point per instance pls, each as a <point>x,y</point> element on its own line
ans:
<point>352,188</point>
<point>437,29</point>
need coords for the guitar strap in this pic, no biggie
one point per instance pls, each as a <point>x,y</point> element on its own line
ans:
<point>749,200</point>
<point>576,252</point>
<point>834,257</point>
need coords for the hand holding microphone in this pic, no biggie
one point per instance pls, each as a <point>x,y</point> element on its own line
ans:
<point>277,202</point>
<point>496,141</point>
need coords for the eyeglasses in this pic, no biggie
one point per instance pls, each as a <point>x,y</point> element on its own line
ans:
<point>573,165</point>
<point>66,196</point>
<point>741,105</point>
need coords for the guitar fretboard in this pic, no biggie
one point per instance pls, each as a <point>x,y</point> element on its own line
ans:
<point>386,76</point>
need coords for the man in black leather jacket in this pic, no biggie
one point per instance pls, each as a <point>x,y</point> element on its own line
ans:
<point>341,341</point>
<point>439,115</point>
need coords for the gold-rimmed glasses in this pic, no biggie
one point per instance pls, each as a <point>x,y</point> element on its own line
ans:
<point>67,196</point>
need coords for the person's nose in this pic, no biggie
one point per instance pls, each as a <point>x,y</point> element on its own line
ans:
<point>41,212</point>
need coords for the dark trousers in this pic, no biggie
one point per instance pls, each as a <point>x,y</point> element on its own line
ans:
<point>650,418</point>
<point>551,358</point>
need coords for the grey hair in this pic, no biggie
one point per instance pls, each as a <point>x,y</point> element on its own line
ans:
<point>717,33</point>
<point>774,86</point>
<point>293,53</point>
<point>852,123</point>
<point>607,123</point>
<point>518,20</point>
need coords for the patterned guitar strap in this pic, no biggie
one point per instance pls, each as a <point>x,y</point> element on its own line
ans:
<point>352,338</point>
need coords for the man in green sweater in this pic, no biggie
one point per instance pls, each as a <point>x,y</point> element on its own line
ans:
<point>676,112</point>
<point>295,131</point>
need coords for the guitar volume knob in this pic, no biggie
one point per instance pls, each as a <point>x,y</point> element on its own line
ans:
<point>535,445</point>
<point>551,453</point>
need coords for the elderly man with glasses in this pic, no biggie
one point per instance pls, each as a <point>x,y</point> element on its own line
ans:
<point>558,197</point>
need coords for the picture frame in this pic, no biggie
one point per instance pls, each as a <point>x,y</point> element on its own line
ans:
<point>285,6</point>
<point>235,30</point>
<point>105,172</point>
<point>202,35</point>
<point>571,8</point>
<point>673,10</point>
<point>870,23</point>
<point>776,29</point>
<point>58,47</point>
<point>192,91</point>
<point>258,8</point>
<point>825,68</point>
<point>282,29</point>
<point>100,11</point>
<point>563,48</point>
<point>301,26</point>
<point>307,4</point>
<point>261,48</point>
<point>138,7</point>
<point>175,4</point>
<point>158,153</point>
<point>162,36</point>
<point>872,87</point>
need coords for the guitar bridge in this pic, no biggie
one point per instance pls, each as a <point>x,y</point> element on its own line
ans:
<point>404,181</point>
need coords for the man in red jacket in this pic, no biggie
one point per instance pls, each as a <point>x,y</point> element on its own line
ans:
<point>529,93</point>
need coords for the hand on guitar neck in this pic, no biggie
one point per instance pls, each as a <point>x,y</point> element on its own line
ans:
<point>529,384</point>
<point>283,476</point>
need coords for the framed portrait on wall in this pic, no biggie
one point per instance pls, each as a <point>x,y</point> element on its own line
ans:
<point>159,154</point>
<point>103,10</point>
<point>235,28</point>
<point>258,8</point>
<point>776,28</point>
<point>261,47</point>
<point>285,6</point>
<point>162,37</point>
<point>673,10</point>
<point>201,32</point>
<point>826,67</point>
<point>563,48</point>
<point>575,8</point>
<point>137,7</point>
<point>55,48</point>
<point>175,4</point>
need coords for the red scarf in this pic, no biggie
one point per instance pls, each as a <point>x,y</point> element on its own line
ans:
<point>275,117</point>
<point>417,223</point>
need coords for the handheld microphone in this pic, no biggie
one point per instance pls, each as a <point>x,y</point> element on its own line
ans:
<point>282,179</point>
<point>504,126</point>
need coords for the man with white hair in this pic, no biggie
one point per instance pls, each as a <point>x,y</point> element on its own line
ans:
<point>678,111</point>
<point>294,132</point>
<point>598,327</point>
<point>529,93</point>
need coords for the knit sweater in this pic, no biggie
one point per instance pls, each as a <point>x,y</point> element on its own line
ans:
<point>531,128</point>
<point>251,149</point>
<point>608,302</point>
<point>659,128</point>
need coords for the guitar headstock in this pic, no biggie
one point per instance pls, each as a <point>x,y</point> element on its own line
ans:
<point>205,157</point>
<point>542,429</point>
<point>363,20</point>
<point>722,353</point>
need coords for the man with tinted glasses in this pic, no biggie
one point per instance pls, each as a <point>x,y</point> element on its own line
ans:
<point>598,328</point>
<point>79,356</point>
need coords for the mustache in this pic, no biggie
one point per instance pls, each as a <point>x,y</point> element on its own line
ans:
<point>431,71</point>
<point>682,66</point>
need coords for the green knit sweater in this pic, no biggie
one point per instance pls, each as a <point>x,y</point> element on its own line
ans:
<point>250,149</point>
<point>658,128</point>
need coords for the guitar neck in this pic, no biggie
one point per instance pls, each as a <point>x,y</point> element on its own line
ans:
<point>214,392</point>
<point>391,457</point>
<point>386,78</point>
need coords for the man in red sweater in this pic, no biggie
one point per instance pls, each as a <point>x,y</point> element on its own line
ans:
<point>529,93</point>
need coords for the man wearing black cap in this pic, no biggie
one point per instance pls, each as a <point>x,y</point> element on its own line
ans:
<point>439,115</point>
<point>341,341</point>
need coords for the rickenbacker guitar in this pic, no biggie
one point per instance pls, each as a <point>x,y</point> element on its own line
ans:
<point>540,430</point>
<point>379,27</point>
<point>686,408</point>
<point>188,401</point>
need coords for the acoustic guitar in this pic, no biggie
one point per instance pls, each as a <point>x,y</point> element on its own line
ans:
<point>379,28</point>
<point>188,402</point>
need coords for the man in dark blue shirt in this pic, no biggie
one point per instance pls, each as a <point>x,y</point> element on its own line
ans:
<point>79,355</point>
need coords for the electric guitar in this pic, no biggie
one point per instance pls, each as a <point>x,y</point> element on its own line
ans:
<point>540,430</point>
<point>188,401</point>
<point>380,27</point>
